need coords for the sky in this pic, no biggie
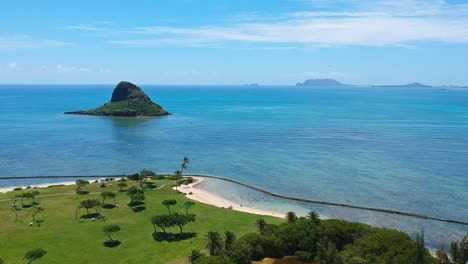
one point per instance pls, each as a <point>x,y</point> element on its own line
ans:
<point>234,42</point>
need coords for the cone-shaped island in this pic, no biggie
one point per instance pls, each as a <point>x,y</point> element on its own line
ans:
<point>127,100</point>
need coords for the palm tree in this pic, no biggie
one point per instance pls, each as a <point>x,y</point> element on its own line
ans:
<point>313,216</point>
<point>229,238</point>
<point>292,217</point>
<point>178,174</point>
<point>215,242</point>
<point>261,225</point>
<point>194,255</point>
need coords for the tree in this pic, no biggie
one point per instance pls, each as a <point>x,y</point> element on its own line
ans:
<point>187,206</point>
<point>121,185</point>
<point>459,250</point>
<point>28,195</point>
<point>184,165</point>
<point>137,198</point>
<point>291,217</point>
<point>181,220</point>
<point>133,190</point>
<point>420,249</point>
<point>215,243</point>
<point>80,184</point>
<point>178,176</point>
<point>89,204</point>
<point>34,195</point>
<point>194,255</point>
<point>34,254</point>
<point>16,211</point>
<point>441,257</point>
<point>162,221</point>
<point>36,210</point>
<point>108,195</point>
<point>313,216</point>
<point>261,225</point>
<point>110,229</point>
<point>327,253</point>
<point>168,204</point>
<point>179,173</point>
<point>140,177</point>
<point>15,200</point>
<point>229,239</point>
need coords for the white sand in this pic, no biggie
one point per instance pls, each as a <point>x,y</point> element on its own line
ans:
<point>212,199</point>
<point>197,195</point>
<point>42,185</point>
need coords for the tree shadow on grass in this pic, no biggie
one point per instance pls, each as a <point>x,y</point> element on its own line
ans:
<point>150,186</point>
<point>138,209</point>
<point>137,206</point>
<point>27,205</point>
<point>111,243</point>
<point>108,206</point>
<point>82,192</point>
<point>91,215</point>
<point>170,237</point>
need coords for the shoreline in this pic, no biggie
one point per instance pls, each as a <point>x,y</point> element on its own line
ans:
<point>216,200</point>
<point>198,195</point>
<point>206,197</point>
<point>40,185</point>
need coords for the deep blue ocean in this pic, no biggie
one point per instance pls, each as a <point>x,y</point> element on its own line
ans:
<point>396,148</point>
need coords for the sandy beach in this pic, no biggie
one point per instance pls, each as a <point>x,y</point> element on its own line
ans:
<point>212,199</point>
<point>42,185</point>
<point>197,195</point>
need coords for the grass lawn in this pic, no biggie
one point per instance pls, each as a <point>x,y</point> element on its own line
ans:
<point>67,240</point>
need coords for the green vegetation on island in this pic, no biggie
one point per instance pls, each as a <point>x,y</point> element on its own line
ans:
<point>127,100</point>
<point>142,219</point>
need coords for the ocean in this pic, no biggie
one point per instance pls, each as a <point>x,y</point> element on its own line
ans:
<point>394,148</point>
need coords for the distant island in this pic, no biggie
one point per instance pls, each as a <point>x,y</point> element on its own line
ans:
<point>127,100</point>
<point>414,84</point>
<point>252,84</point>
<point>321,82</point>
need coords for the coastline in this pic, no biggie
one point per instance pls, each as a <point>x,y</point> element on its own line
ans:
<point>40,185</point>
<point>206,197</point>
<point>198,195</point>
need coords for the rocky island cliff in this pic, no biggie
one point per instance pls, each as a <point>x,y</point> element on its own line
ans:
<point>127,100</point>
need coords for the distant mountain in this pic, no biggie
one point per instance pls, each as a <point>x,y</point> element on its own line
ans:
<point>321,82</point>
<point>414,84</point>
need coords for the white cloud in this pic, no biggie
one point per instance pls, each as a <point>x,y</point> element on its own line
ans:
<point>88,27</point>
<point>104,70</point>
<point>25,42</point>
<point>366,23</point>
<point>70,69</point>
<point>182,73</point>
<point>13,66</point>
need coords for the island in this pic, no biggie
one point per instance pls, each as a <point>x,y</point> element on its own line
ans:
<point>321,82</point>
<point>128,100</point>
<point>413,84</point>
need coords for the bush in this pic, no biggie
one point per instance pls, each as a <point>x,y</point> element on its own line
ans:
<point>213,260</point>
<point>158,177</point>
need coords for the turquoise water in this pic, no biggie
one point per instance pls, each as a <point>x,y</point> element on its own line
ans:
<point>401,149</point>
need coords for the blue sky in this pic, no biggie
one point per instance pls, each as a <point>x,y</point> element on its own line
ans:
<point>234,41</point>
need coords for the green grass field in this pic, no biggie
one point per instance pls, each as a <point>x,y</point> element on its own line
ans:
<point>67,240</point>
